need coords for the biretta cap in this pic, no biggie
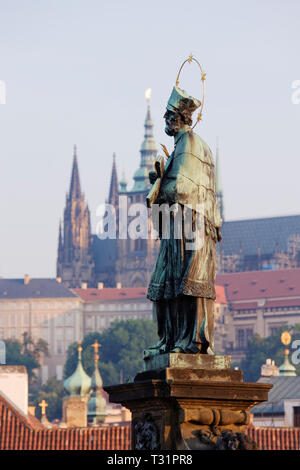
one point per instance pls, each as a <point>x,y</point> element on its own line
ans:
<point>180,100</point>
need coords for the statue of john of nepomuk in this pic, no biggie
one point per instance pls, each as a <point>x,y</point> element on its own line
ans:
<point>182,283</point>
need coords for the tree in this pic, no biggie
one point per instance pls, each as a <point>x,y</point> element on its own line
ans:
<point>121,354</point>
<point>28,353</point>
<point>16,356</point>
<point>53,393</point>
<point>259,349</point>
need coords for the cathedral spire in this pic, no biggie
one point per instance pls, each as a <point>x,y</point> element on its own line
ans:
<point>75,191</point>
<point>148,147</point>
<point>60,244</point>
<point>219,189</point>
<point>148,153</point>
<point>114,186</point>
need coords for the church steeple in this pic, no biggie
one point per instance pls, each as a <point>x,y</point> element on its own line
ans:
<point>60,245</point>
<point>148,153</point>
<point>113,197</point>
<point>219,189</point>
<point>74,260</point>
<point>75,181</point>
<point>148,147</point>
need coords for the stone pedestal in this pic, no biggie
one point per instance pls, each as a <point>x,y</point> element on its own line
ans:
<point>187,401</point>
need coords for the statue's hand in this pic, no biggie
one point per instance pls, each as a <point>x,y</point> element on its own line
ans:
<point>152,176</point>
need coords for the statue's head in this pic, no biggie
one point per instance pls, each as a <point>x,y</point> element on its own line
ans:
<point>179,111</point>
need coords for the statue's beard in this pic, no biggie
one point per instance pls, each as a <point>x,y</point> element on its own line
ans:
<point>171,130</point>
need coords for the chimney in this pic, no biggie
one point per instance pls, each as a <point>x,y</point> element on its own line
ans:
<point>58,279</point>
<point>100,285</point>
<point>26,279</point>
<point>119,285</point>
<point>84,285</point>
<point>269,369</point>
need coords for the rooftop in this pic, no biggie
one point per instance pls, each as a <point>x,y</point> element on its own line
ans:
<point>128,293</point>
<point>267,234</point>
<point>284,388</point>
<point>27,288</point>
<point>254,285</point>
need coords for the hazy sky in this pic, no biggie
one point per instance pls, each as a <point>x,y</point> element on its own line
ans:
<point>76,72</point>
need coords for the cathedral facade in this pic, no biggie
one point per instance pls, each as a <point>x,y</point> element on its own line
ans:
<point>85,259</point>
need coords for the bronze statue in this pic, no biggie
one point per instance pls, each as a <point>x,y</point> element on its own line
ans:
<point>182,282</point>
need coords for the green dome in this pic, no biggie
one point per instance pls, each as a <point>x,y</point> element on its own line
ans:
<point>287,369</point>
<point>79,383</point>
<point>97,402</point>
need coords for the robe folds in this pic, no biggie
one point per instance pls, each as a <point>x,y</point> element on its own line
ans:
<point>182,282</point>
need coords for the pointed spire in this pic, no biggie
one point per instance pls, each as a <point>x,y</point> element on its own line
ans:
<point>60,244</point>
<point>75,191</point>
<point>148,147</point>
<point>148,153</point>
<point>114,187</point>
<point>97,402</point>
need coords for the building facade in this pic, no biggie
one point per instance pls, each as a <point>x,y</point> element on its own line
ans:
<point>45,309</point>
<point>102,306</point>
<point>259,302</point>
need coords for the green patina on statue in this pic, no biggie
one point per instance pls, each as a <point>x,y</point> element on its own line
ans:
<point>182,282</point>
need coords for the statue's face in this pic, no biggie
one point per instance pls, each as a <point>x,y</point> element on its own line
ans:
<point>173,122</point>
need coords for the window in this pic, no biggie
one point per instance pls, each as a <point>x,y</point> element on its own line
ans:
<point>12,319</point>
<point>243,336</point>
<point>69,318</point>
<point>69,333</point>
<point>240,338</point>
<point>101,322</point>
<point>59,347</point>
<point>58,333</point>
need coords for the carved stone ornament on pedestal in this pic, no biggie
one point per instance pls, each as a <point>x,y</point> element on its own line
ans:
<point>197,403</point>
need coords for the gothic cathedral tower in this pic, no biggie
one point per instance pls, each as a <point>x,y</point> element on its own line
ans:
<point>75,260</point>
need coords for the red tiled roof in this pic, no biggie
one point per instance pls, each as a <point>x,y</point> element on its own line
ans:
<point>112,293</point>
<point>128,293</point>
<point>220,295</point>
<point>15,427</point>
<point>253,285</point>
<point>282,303</point>
<point>269,438</point>
<point>119,438</point>
<point>101,438</point>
